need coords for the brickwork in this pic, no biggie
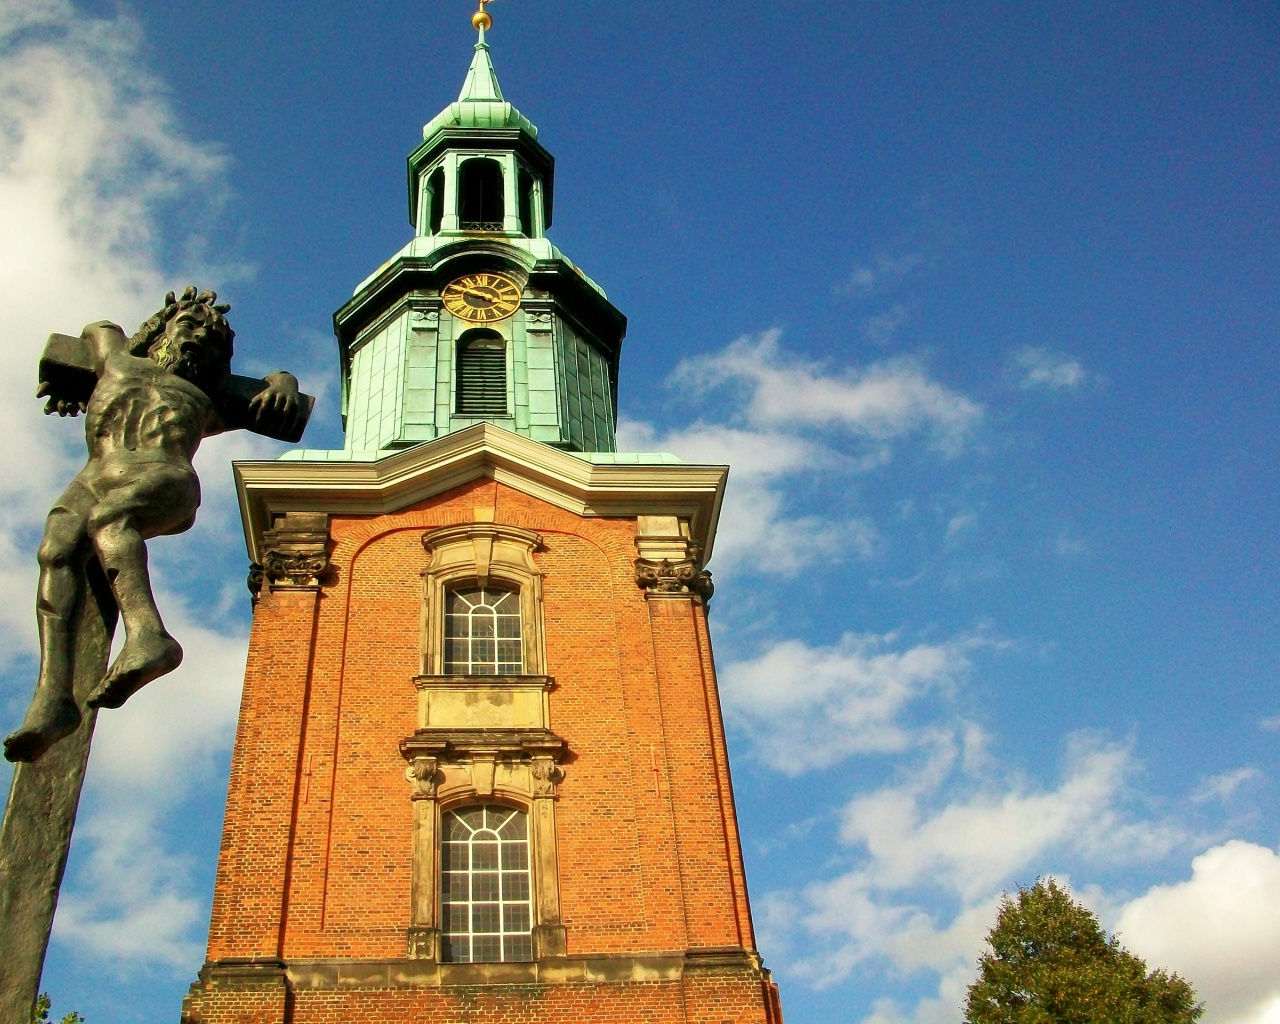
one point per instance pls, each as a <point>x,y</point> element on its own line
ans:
<point>317,854</point>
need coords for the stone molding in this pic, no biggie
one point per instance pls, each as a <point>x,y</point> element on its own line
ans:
<point>420,972</point>
<point>481,451</point>
<point>295,553</point>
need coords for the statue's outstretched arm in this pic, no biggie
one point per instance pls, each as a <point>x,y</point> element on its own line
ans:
<point>272,406</point>
<point>70,367</point>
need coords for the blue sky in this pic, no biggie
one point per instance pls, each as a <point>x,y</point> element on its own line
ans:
<point>979,302</point>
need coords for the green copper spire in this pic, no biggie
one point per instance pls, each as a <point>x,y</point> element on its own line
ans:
<point>480,104</point>
<point>482,81</point>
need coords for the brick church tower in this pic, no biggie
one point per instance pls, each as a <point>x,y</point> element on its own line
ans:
<point>480,772</point>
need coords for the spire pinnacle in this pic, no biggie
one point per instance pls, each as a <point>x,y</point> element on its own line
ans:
<point>482,20</point>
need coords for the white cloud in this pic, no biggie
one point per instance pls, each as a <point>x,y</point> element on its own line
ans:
<point>806,708</point>
<point>89,152</point>
<point>887,400</point>
<point>951,834</point>
<point>91,161</point>
<point>1222,787</point>
<point>1219,929</point>
<point>1035,367</point>
<point>882,328</point>
<point>1271,724</point>
<point>756,526</point>
<point>881,272</point>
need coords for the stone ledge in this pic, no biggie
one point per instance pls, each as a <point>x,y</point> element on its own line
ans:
<point>342,974</point>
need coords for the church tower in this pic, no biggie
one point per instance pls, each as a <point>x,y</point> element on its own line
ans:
<point>480,772</point>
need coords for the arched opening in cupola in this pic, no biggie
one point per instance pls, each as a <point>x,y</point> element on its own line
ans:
<point>480,200</point>
<point>525,183</point>
<point>435,199</point>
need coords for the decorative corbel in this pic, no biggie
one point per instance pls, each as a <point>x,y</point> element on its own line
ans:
<point>295,553</point>
<point>424,774</point>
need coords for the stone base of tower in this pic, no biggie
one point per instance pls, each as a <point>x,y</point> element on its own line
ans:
<point>701,987</point>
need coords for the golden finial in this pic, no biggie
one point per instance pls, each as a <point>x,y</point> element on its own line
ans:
<point>481,19</point>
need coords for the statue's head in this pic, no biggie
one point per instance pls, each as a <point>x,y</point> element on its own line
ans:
<point>190,337</point>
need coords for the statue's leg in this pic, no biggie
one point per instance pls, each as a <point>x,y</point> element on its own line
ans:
<point>53,712</point>
<point>153,503</point>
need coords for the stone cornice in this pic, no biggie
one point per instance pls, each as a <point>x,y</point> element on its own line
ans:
<point>267,489</point>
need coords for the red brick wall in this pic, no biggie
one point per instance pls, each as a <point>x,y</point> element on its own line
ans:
<point>316,855</point>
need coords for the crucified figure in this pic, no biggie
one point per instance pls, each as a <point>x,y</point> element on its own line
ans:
<point>148,402</point>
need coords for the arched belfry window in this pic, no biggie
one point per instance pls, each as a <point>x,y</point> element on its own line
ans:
<point>435,194</point>
<point>482,374</point>
<point>482,632</point>
<point>480,195</point>
<point>486,913</point>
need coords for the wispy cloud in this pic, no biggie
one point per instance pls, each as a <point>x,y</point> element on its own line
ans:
<point>884,401</point>
<point>806,708</point>
<point>1224,786</point>
<point>883,271</point>
<point>1034,367</point>
<point>952,834</point>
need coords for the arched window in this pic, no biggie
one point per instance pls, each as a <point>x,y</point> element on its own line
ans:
<point>435,189</point>
<point>482,374</point>
<point>485,910</point>
<point>481,204</point>
<point>525,192</point>
<point>482,635</point>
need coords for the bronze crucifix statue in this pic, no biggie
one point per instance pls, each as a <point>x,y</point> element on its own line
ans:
<point>149,400</point>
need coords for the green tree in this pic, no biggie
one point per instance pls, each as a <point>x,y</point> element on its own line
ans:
<point>1049,962</point>
<point>43,1005</point>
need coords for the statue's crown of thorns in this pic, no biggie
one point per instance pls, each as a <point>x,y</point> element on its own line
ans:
<point>154,326</point>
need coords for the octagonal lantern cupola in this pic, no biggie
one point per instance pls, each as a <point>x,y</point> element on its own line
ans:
<point>479,317</point>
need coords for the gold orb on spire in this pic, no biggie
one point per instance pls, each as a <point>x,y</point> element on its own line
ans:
<point>482,20</point>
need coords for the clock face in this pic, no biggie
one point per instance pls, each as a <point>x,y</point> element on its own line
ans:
<point>481,298</point>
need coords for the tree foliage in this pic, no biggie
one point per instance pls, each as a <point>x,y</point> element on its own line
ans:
<point>41,1014</point>
<point>1049,962</point>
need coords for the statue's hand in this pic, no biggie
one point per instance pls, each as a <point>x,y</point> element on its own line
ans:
<point>62,406</point>
<point>277,406</point>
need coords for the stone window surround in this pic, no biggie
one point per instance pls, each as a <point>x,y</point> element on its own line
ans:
<point>517,770</point>
<point>504,753</point>
<point>480,552</point>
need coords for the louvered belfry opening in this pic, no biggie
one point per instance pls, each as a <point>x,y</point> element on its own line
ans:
<point>482,374</point>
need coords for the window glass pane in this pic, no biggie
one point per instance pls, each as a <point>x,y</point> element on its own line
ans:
<point>486,917</point>
<point>515,857</point>
<point>517,948</point>
<point>475,618</point>
<point>484,885</point>
<point>484,856</point>
<point>486,949</point>
<point>472,818</point>
<point>515,917</point>
<point>456,949</point>
<point>515,885</point>
<point>514,827</point>
<point>457,919</point>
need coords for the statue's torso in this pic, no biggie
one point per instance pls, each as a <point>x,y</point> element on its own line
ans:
<point>140,411</point>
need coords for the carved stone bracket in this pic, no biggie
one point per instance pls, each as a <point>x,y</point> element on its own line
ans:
<point>424,773</point>
<point>296,553</point>
<point>669,562</point>
<point>547,775</point>
<point>666,577</point>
